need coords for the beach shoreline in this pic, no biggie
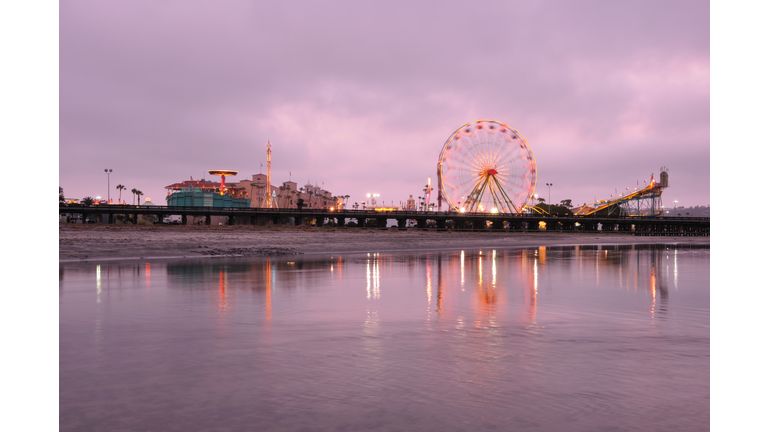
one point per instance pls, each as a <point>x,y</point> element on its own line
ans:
<point>110,242</point>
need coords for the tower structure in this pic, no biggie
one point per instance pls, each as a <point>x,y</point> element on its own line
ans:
<point>269,198</point>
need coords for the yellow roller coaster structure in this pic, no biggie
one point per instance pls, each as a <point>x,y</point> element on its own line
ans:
<point>643,202</point>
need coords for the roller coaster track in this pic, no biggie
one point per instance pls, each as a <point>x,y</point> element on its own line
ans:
<point>652,191</point>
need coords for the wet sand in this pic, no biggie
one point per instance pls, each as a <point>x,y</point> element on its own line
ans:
<point>88,242</point>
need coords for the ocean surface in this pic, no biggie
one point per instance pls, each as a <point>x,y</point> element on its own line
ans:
<point>592,338</point>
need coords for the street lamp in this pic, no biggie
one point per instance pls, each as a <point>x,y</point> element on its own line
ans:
<point>373,199</point>
<point>108,171</point>
<point>674,212</point>
<point>549,185</point>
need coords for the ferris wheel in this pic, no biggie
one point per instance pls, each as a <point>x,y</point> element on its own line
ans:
<point>486,166</point>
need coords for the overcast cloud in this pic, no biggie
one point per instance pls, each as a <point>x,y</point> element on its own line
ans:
<point>360,97</point>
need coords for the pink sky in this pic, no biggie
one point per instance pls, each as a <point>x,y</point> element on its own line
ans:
<point>359,97</point>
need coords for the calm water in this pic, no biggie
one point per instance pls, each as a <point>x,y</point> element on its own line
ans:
<point>612,338</point>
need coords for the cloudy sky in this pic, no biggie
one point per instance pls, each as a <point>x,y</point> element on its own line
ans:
<point>359,97</point>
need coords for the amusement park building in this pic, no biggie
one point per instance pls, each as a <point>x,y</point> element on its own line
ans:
<point>204,193</point>
<point>286,195</point>
<point>247,193</point>
<point>411,203</point>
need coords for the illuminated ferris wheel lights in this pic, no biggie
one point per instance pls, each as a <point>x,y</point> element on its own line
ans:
<point>482,160</point>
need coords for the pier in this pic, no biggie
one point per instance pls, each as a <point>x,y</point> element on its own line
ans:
<point>441,221</point>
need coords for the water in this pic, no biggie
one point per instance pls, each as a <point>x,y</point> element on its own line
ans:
<point>612,338</point>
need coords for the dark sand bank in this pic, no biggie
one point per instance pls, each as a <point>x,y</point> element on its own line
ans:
<point>78,242</point>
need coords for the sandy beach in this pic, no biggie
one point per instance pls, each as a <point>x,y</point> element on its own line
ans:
<point>89,242</point>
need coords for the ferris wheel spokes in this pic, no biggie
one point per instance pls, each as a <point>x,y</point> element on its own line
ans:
<point>490,183</point>
<point>486,166</point>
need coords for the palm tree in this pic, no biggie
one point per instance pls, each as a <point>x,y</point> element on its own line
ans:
<point>87,201</point>
<point>138,196</point>
<point>121,188</point>
<point>253,198</point>
<point>134,191</point>
<point>61,194</point>
<point>281,195</point>
<point>256,201</point>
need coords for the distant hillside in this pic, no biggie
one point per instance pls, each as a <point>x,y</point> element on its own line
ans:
<point>695,211</point>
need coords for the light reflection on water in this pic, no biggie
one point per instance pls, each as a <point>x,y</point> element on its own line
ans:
<point>571,338</point>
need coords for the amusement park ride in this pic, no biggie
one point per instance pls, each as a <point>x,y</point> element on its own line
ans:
<point>223,174</point>
<point>643,202</point>
<point>487,166</point>
<point>269,201</point>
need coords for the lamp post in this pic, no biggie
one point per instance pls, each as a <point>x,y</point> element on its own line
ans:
<point>549,185</point>
<point>372,199</point>
<point>674,212</point>
<point>108,171</point>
